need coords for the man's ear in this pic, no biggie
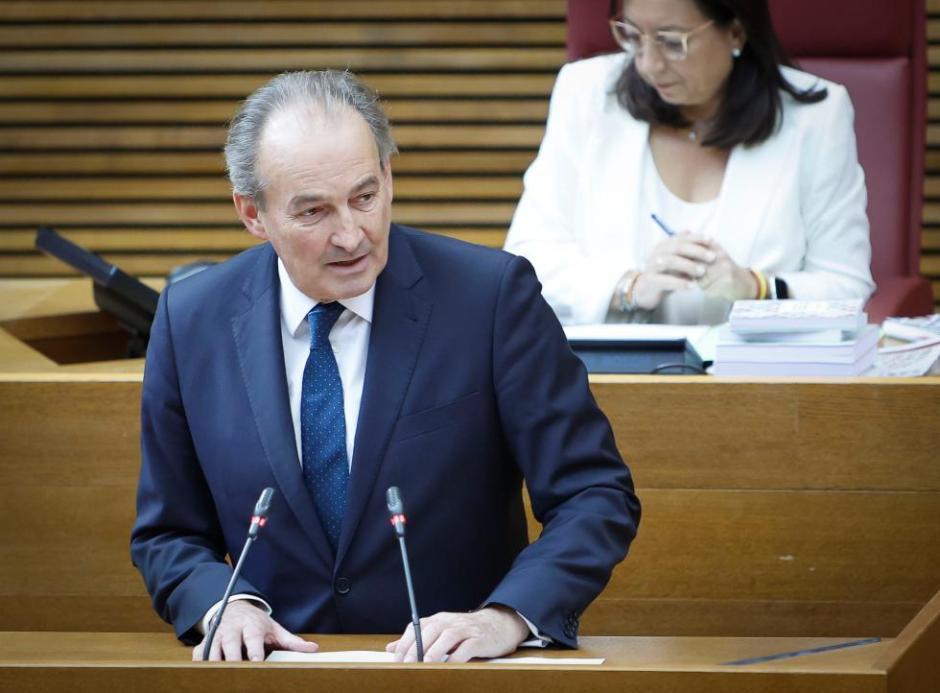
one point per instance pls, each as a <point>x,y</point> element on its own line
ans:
<point>249,212</point>
<point>387,172</point>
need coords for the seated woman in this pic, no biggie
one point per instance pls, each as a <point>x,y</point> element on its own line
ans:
<point>748,165</point>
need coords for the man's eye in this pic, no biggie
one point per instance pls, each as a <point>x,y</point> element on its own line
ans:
<point>311,211</point>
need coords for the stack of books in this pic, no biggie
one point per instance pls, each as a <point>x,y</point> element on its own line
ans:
<point>789,337</point>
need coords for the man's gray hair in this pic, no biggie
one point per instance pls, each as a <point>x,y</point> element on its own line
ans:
<point>329,90</point>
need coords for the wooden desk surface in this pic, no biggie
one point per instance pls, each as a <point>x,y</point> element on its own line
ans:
<point>34,298</point>
<point>151,661</point>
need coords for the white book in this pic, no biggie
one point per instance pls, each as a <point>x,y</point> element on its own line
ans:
<point>791,368</point>
<point>797,316</point>
<point>846,348</point>
<point>812,337</point>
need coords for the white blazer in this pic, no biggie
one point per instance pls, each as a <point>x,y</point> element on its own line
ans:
<point>793,206</point>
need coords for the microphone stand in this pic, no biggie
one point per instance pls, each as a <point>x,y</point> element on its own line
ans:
<point>258,520</point>
<point>397,509</point>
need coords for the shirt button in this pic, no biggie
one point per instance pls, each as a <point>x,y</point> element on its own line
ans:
<point>342,585</point>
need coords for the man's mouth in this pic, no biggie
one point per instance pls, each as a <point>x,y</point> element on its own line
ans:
<point>353,262</point>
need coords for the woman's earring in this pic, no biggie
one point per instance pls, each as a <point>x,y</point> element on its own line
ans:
<point>736,52</point>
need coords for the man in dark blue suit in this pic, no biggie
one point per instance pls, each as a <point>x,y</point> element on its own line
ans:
<point>346,355</point>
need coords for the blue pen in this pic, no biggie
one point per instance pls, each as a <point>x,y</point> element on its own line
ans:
<point>662,225</point>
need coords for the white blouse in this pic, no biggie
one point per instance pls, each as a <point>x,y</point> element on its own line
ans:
<point>691,306</point>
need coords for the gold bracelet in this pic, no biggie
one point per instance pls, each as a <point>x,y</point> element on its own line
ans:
<point>761,284</point>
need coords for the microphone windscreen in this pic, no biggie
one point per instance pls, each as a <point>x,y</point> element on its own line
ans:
<point>264,502</point>
<point>393,500</point>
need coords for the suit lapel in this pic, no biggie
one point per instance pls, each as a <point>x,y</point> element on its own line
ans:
<point>400,318</point>
<point>257,334</point>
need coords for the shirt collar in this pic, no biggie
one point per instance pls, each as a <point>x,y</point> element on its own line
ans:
<point>295,304</point>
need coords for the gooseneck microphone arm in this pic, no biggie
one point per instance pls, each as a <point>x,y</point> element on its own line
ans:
<point>258,520</point>
<point>397,510</point>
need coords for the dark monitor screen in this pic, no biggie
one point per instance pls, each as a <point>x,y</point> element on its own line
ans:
<point>129,300</point>
<point>653,356</point>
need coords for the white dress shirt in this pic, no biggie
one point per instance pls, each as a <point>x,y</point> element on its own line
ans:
<point>349,339</point>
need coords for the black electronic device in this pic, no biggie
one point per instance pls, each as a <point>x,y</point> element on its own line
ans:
<point>651,356</point>
<point>132,303</point>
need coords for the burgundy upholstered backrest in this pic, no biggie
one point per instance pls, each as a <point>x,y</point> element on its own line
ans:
<point>877,49</point>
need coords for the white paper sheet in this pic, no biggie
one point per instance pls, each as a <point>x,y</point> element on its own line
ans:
<point>911,361</point>
<point>919,356</point>
<point>366,656</point>
<point>331,657</point>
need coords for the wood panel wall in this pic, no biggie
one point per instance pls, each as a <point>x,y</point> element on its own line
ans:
<point>786,513</point>
<point>112,114</point>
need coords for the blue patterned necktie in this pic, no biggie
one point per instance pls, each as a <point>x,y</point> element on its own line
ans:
<point>323,424</point>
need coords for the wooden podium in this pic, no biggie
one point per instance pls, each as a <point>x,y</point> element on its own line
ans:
<point>144,662</point>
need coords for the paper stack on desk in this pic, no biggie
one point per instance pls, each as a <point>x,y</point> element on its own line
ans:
<point>785,337</point>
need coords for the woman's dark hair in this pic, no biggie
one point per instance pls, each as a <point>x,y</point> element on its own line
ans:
<point>752,107</point>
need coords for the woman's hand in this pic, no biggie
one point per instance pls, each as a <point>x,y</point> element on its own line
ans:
<point>675,264</point>
<point>727,280</point>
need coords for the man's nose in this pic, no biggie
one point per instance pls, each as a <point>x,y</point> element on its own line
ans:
<point>348,234</point>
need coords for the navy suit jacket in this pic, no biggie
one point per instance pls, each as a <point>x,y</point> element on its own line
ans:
<point>470,387</point>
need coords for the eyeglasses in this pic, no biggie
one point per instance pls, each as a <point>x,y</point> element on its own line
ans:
<point>672,45</point>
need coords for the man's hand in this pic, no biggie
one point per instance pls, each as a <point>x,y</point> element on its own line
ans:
<point>491,632</point>
<point>246,627</point>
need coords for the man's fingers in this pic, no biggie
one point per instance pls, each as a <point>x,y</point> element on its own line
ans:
<point>467,650</point>
<point>231,645</point>
<point>404,642</point>
<point>430,633</point>
<point>286,640</point>
<point>443,644</point>
<point>215,651</point>
<point>254,645</point>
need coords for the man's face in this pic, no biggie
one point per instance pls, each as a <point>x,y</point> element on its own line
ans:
<point>326,201</point>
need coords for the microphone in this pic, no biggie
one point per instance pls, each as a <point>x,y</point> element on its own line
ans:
<point>258,520</point>
<point>397,510</point>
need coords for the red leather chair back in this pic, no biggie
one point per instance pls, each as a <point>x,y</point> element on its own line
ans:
<point>877,49</point>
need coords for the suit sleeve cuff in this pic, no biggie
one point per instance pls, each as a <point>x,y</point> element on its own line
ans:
<point>203,625</point>
<point>537,639</point>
